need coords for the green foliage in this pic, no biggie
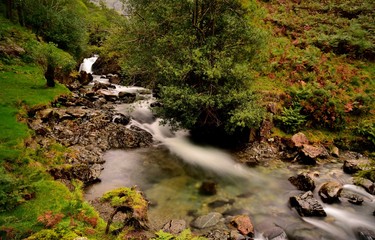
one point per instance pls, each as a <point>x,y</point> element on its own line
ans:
<point>291,120</point>
<point>367,130</point>
<point>49,54</point>
<point>60,22</point>
<point>184,235</point>
<point>125,197</point>
<point>199,53</point>
<point>319,106</point>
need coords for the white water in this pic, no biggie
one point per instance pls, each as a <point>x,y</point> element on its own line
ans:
<point>177,142</point>
<point>360,191</point>
<point>87,63</point>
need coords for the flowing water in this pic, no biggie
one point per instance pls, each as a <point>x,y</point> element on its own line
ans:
<point>171,172</point>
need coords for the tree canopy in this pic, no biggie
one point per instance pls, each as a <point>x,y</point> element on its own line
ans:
<point>199,54</point>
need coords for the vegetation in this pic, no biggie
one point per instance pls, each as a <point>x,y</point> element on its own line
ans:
<point>198,54</point>
<point>131,202</point>
<point>184,235</point>
<point>212,67</point>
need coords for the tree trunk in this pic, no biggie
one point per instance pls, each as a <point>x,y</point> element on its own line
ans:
<point>50,76</point>
<point>9,9</point>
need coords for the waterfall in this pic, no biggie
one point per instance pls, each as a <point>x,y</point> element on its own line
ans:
<point>87,63</point>
<point>178,143</point>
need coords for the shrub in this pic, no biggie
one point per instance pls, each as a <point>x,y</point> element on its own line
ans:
<point>291,120</point>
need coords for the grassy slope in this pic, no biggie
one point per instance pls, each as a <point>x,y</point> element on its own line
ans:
<point>22,172</point>
<point>322,51</point>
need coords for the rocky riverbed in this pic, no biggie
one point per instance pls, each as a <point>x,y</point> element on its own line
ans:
<point>88,124</point>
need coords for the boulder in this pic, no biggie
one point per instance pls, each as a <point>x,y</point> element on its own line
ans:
<point>86,173</point>
<point>99,85</point>
<point>367,184</point>
<point>121,119</point>
<point>306,205</point>
<point>127,97</point>
<point>352,166</point>
<point>108,95</point>
<point>207,221</point>
<point>299,139</point>
<point>365,234</point>
<point>114,78</point>
<point>330,192</point>
<point>303,182</point>
<point>174,226</point>
<point>308,154</point>
<point>243,224</point>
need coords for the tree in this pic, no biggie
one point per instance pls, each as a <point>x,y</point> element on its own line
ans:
<point>59,21</point>
<point>199,53</point>
<point>53,60</point>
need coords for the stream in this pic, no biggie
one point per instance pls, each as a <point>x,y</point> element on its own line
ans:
<point>171,172</point>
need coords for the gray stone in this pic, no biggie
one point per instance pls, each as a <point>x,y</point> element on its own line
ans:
<point>174,226</point>
<point>307,205</point>
<point>330,192</point>
<point>207,221</point>
<point>303,182</point>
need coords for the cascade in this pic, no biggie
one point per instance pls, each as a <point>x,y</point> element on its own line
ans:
<point>87,63</point>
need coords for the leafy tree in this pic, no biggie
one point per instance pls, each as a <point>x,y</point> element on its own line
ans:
<point>58,21</point>
<point>53,60</point>
<point>199,53</point>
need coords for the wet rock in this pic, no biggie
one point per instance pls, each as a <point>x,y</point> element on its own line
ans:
<point>86,173</point>
<point>243,224</point>
<point>121,119</point>
<point>127,97</point>
<point>303,182</point>
<point>208,188</point>
<point>220,203</point>
<point>122,137</point>
<point>108,95</point>
<point>309,154</point>
<point>355,199</point>
<point>235,235</point>
<point>257,153</point>
<point>275,233</point>
<point>298,140</point>
<point>329,192</point>
<point>114,78</point>
<point>174,226</point>
<point>218,235</point>
<point>352,166</point>
<point>207,221</point>
<point>335,152</point>
<point>365,234</point>
<point>236,211</point>
<point>85,78</point>
<point>307,205</point>
<point>368,185</point>
<point>98,85</point>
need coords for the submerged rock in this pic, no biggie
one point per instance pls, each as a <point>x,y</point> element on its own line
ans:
<point>207,221</point>
<point>303,182</point>
<point>330,192</point>
<point>307,205</point>
<point>208,188</point>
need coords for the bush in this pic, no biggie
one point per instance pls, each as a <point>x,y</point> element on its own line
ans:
<point>291,120</point>
<point>367,130</point>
